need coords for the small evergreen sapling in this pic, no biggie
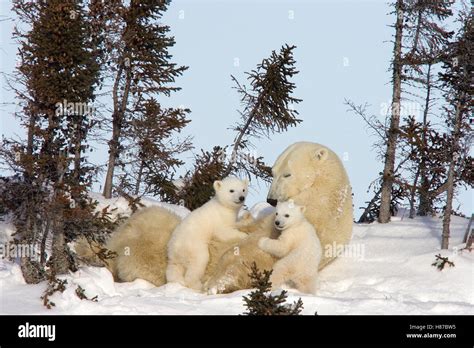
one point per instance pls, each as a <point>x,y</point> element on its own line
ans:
<point>441,262</point>
<point>262,302</point>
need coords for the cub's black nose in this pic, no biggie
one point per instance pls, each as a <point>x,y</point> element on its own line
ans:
<point>272,202</point>
<point>241,198</point>
<point>277,223</point>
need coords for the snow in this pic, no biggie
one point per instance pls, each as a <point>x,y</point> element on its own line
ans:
<point>385,270</point>
<point>121,207</point>
<point>262,209</point>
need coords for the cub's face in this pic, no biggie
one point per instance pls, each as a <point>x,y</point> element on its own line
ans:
<point>231,191</point>
<point>288,214</point>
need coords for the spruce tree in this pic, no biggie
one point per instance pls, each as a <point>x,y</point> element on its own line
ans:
<point>425,151</point>
<point>419,36</point>
<point>153,156</point>
<point>457,77</point>
<point>262,302</point>
<point>137,49</point>
<point>268,108</point>
<point>55,81</point>
<point>427,38</point>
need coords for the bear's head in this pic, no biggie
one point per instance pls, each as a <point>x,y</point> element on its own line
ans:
<point>231,191</point>
<point>288,214</point>
<point>300,167</point>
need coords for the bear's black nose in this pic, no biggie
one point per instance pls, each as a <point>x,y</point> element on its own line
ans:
<point>272,202</point>
<point>277,223</point>
<point>241,198</point>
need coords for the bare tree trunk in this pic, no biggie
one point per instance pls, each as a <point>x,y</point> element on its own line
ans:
<point>32,272</point>
<point>59,255</point>
<point>77,154</point>
<point>240,136</point>
<point>28,176</point>
<point>392,136</point>
<point>117,124</point>
<point>425,205</point>
<point>449,206</point>
<point>113,151</point>
<point>29,146</point>
<point>43,242</point>
<point>237,142</point>
<point>139,179</point>
<point>413,195</point>
<point>114,141</point>
<point>450,179</point>
<point>31,269</point>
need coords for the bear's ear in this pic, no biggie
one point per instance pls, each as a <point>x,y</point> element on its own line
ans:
<point>246,182</point>
<point>322,154</point>
<point>217,185</point>
<point>303,209</point>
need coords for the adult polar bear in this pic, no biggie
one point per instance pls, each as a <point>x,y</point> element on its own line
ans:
<point>309,173</point>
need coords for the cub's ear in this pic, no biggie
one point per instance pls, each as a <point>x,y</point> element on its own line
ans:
<point>246,182</point>
<point>217,185</point>
<point>303,209</point>
<point>322,154</point>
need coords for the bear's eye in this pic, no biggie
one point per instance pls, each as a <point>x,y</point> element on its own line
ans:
<point>231,191</point>
<point>243,190</point>
<point>287,216</point>
<point>276,213</point>
<point>287,175</point>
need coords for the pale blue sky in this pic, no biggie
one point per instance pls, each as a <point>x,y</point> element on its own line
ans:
<point>343,51</point>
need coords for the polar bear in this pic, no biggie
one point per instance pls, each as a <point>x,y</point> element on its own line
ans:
<point>188,247</point>
<point>313,176</point>
<point>298,248</point>
<point>309,173</point>
<point>139,244</point>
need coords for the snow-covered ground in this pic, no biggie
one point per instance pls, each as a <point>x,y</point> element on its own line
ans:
<point>387,270</point>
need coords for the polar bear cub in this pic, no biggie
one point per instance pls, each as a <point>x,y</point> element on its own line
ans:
<point>298,248</point>
<point>188,247</point>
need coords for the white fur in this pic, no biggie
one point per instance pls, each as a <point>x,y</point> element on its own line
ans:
<point>188,248</point>
<point>298,248</point>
